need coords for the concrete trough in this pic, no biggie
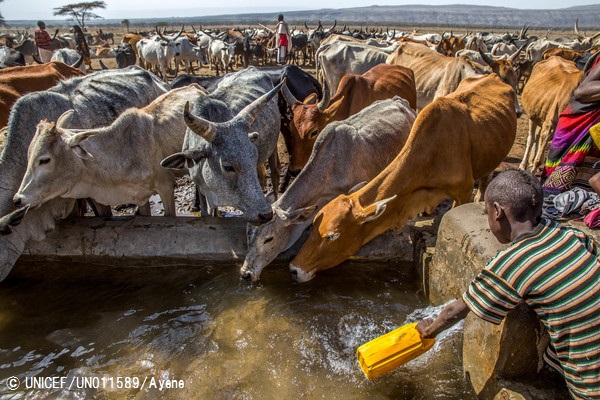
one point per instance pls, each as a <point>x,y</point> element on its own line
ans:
<point>164,241</point>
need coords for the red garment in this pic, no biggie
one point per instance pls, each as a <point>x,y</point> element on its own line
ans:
<point>283,40</point>
<point>592,219</point>
<point>43,39</point>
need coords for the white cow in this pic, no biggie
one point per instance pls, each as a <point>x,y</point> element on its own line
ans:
<point>157,52</point>
<point>113,165</point>
<point>223,53</point>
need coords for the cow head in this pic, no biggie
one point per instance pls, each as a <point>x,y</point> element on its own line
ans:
<point>227,158</point>
<point>308,121</point>
<point>335,236</point>
<point>54,162</point>
<point>505,69</point>
<point>266,241</point>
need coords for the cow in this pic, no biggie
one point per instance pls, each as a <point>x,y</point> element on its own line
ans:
<point>187,54</point>
<point>455,140</point>
<point>10,58</point>
<point>544,97</point>
<point>132,39</point>
<point>17,81</point>
<point>69,57</point>
<point>231,133</point>
<point>221,53</point>
<point>100,163</point>
<point>300,85</point>
<point>125,55</point>
<point>158,52</point>
<point>98,99</point>
<point>354,93</point>
<point>437,75</point>
<point>339,58</point>
<point>101,36</point>
<point>338,163</point>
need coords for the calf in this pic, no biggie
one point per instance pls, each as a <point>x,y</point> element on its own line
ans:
<point>338,163</point>
<point>456,139</point>
<point>354,93</point>
<point>101,163</point>
<point>221,53</point>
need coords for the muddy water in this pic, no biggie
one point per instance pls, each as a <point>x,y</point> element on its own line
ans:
<point>210,336</point>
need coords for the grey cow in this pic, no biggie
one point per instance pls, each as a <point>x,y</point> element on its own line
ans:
<point>231,133</point>
<point>97,99</point>
<point>113,165</point>
<point>336,165</point>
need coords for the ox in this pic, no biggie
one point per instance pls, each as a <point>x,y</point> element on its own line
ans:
<point>132,39</point>
<point>96,164</point>
<point>10,58</point>
<point>69,57</point>
<point>158,52</point>
<point>471,131</point>
<point>354,93</point>
<point>339,58</point>
<point>338,163</point>
<point>221,53</point>
<point>437,75</point>
<point>17,81</point>
<point>545,95</point>
<point>97,99</point>
<point>231,133</point>
<point>186,54</point>
<point>125,55</point>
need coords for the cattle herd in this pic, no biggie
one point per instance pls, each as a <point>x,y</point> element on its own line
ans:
<point>389,125</point>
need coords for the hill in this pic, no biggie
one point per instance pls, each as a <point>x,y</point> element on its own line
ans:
<point>408,15</point>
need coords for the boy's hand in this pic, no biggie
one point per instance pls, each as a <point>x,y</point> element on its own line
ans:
<point>423,328</point>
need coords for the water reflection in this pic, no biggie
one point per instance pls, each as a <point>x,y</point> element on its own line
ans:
<point>219,336</point>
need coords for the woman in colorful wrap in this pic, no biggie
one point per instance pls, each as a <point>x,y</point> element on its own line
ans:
<point>577,134</point>
<point>283,39</point>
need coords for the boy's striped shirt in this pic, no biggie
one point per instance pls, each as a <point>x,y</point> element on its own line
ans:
<point>556,271</point>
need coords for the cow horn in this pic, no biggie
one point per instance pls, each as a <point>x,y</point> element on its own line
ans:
<point>160,33</point>
<point>576,29</point>
<point>104,67</point>
<point>64,120</point>
<point>289,98</point>
<point>37,59</point>
<point>488,60</point>
<point>78,63</point>
<point>515,56</point>
<point>180,32</point>
<point>334,25</point>
<point>252,110</point>
<point>324,102</point>
<point>194,29</point>
<point>198,125</point>
<point>306,26</point>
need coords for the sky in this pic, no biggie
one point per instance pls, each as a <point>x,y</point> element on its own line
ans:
<point>43,9</point>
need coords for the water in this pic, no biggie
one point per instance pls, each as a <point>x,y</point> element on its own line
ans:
<point>106,332</point>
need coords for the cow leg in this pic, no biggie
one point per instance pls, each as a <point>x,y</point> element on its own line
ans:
<point>531,140</point>
<point>545,138</point>
<point>483,184</point>
<point>100,210</point>
<point>167,195</point>
<point>144,210</point>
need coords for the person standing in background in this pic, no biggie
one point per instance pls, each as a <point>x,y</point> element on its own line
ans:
<point>43,42</point>
<point>283,39</point>
<point>82,46</point>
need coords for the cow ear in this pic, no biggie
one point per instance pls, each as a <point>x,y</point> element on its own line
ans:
<point>184,159</point>
<point>301,215</point>
<point>81,152</point>
<point>311,99</point>
<point>375,210</point>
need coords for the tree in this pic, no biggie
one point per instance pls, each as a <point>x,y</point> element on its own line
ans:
<point>80,11</point>
<point>126,23</point>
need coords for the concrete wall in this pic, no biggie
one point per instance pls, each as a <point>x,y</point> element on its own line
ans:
<point>504,361</point>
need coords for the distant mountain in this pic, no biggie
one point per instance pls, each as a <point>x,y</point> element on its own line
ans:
<point>409,15</point>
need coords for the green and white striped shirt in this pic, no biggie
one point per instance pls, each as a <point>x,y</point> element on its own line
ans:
<point>555,270</point>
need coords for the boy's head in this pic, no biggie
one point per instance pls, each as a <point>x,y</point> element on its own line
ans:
<point>514,196</point>
<point>280,17</point>
<point>41,25</point>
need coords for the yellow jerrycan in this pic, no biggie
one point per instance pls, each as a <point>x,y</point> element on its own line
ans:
<point>391,350</point>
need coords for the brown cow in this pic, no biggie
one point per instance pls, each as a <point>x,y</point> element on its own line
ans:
<point>545,95</point>
<point>454,141</point>
<point>132,39</point>
<point>354,93</point>
<point>567,54</point>
<point>17,81</point>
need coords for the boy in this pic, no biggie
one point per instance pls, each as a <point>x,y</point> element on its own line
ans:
<point>43,42</point>
<point>554,269</point>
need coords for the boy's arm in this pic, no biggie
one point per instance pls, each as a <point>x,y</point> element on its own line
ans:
<point>450,315</point>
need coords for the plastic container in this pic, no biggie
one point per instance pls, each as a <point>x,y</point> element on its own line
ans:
<point>391,350</point>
